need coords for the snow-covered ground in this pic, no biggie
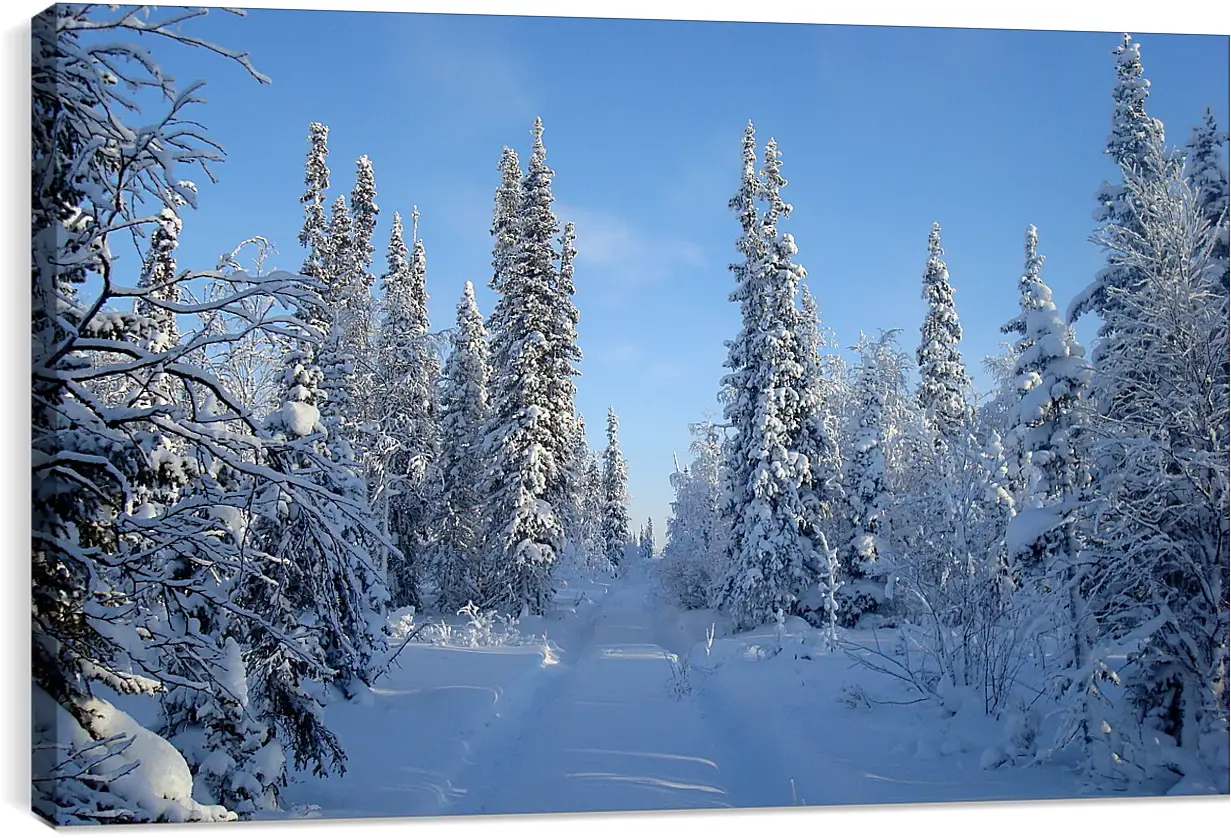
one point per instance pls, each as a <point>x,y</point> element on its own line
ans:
<point>617,702</point>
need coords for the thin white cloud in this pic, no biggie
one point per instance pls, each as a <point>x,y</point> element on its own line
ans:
<point>631,256</point>
<point>617,353</point>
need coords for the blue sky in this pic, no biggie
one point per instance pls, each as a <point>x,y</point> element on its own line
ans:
<point>882,130</point>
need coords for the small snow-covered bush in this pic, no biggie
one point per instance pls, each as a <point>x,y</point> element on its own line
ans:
<point>488,628</point>
<point>483,628</point>
<point>680,684</point>
<point>1022,731</point>
<point>860,602</point>
<point>402,622</point>
<point>854,696</point>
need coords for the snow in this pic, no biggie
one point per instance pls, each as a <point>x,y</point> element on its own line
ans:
<point>1029,526</point>
<point>300,418</point>
<point>231,672</point>
<point>620,704</point>
<point>160,782</point>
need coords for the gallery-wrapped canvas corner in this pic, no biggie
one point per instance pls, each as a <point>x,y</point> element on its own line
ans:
<point>318,527</point>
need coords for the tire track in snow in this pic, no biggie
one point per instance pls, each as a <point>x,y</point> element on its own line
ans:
<point>607,735</point>
<point>753,770</point>
<point>491,751</point>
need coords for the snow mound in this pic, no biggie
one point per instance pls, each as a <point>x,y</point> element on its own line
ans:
<point>145,777</point>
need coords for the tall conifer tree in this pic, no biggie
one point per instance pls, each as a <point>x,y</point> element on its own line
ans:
<point>770,564</point>
<point>944,384</point>
<point>465,574</point>
<point>315,231</point>
<point>1205,168</point>
<point>739,388</point>
<point>1133,133</point>
<point>409,374</point>
<point>617,530</point>
<point>531,429</point>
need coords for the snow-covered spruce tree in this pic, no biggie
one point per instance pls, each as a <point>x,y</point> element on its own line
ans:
<point>313,236</point>
<point>693,558</point>
<point>646,542</point>
<point>1206,171</point>
<point>864,559</point>
<point>362,316</point>
<point>943,383</point>
<point>530,429</point>
<point>504,220</point>
<point>737,388</point>
<point>464,575</point>
<point>583,515</point>
<point>617,532</point>
<point>341,405</point>
<point>387,353</point>
<point>101,561</point>
<point>407,415</point>
<point>770,565</point>
<point>1133,132</point>
<point>1156,568</point>
<point>339,265</point>
<point>1046,482</point>
<point>342,411</point>
<point>159,278</point>
<point>363,216</point>
<point>568,494</point>
<point>822,493</point>
<point>507,205</point>
<point>819,440</point>
<point>289,684</point>
<point>945,537</point>
<point>1045,423</point>
<point>592,507</point>
<point>329,596</point>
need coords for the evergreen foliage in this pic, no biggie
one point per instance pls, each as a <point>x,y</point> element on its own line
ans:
<point>616,530</point>
<point>408,417</point>
<point>465,574</point>
<point>531,427</point>
<point>943,382</point>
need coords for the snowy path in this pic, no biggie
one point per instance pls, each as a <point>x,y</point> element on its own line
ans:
<point>598,724</point>
<point>611,736</point>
